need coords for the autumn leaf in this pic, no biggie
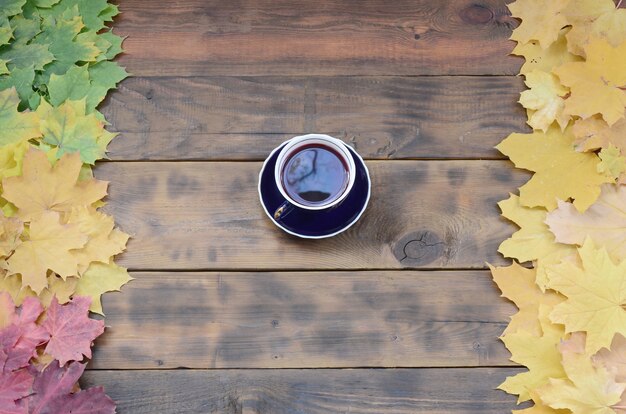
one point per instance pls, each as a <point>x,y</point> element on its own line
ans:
<point>614,359</point>
<point>518,285</point>
<point>15,126</point>
<point>14,385</point>
<point>11,156</point>
<point>545,98</point>
<point>586,389</point>
<point>593,133</point>
<point>12,285</point>
<point>53,392</point>
<point>99,279</point>
<point>71,330</point>
<point>596,296</point>
<point>69,128</point>
<point>533,241</point>
<point>545,60</point>
<point>541,21</point>
<point>43,187</point>
<point>549,155</point>
<point>49,247</point>
<point>612,163</point>
<point>104,240</point>
<point>595,84</point>
<point>539,354</point>
<point>19,340</point>
<point>604,222</point>
<point>10,231</point>
<point>593,19</point>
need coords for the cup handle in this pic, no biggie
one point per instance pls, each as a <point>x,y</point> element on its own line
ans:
<point>283,210</point>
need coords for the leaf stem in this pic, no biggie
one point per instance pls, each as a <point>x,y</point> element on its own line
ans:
<point>619,3</point>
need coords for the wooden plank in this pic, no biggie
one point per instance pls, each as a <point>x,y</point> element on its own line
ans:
<point>304,320</point>
<point>327,37</point>
<point>206,215</point>
<point>232,118</point>
<point>354,391</point>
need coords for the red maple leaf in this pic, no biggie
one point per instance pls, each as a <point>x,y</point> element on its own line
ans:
<point>14,386</point>
<point>71,330</point>
<point>52,393</point>
<point>19,340</point>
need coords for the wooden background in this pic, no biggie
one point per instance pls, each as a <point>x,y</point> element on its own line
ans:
<point>230,315</point>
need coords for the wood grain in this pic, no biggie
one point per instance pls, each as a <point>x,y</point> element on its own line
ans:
<point>354,391</point>
<point>206,215</point>
<point>244,118</point>
<point>304,320</point>
<point>327,37</point>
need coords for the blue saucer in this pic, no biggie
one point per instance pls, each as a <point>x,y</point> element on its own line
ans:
<point>315,224</point>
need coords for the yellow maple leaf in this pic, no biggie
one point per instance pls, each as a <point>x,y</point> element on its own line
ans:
<point>586,390</point>
<point>104,240</point>
<point>612,164</point>
<point>593,133</point>
<point>533,241</point>
<point>545,60</point>
<point>99,279</point>
<point>10,231</point>
<point>518,285</point>
<point>596,296</point>
<point>550,155</point>
<point>545,98</point>
<point>11,157</point>
<point>539,354</point>
<point>614,359</point>
<point>13,286</point>
<point>592,19</point>
<point>58,288</point>
<point>48,247</point>
<point>541,21</point>
<point>43,187</point>
<point>15,126</point>
<point>604,222</point>
<point>595,84</point>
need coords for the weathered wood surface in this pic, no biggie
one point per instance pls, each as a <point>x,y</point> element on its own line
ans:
<point>206,215</point>
<point>304,320</point>
<point>354,391</point>
<point>244,118</point>
<point>303,37</point>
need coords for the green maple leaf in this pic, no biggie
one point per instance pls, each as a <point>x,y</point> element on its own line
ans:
<point>21,55</point>
<point>6,31</point>
<point>15,126</point>
<point>116,44</point>
<point>109,13</point>
<point>104,76</point>
<point>74,85</point>
<point>89,10</point>
<point>69,128</point>
<point>67,48</point>
<point>45,3</point>
<point>11,7</point>
<point>24,30</point>
<point>101,43</point>
<point>3,67</point>
<point>22,80</point>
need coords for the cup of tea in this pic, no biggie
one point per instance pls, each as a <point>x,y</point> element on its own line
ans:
<point>314,186</point>
<point>313,172</point>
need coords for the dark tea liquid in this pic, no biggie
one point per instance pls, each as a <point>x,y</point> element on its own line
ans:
<point>315,175</point>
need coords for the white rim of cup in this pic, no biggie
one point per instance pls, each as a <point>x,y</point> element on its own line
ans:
<point>323,139</point>
<point>304,236</point>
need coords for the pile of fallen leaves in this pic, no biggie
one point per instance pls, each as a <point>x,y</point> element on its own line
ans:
<point>571,325</point>
<point>56,247</point>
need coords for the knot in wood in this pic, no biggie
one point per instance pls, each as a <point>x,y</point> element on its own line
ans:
<point>476,14</point>
<point>419,248</point>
